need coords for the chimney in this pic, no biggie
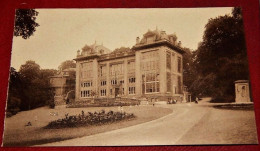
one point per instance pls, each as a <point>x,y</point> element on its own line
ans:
<point>179,43</point>
<point>163,32</point>
<point>137,40</point>
<point>78,52</point>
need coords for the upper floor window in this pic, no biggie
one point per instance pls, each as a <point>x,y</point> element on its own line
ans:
<point>179,64</point>
<point>86,70</point>
<point>103,71</point>
<point>131,66</point>
<point>132,80</point>
<point>102,83</point>
<point>86,84</point>
<point>150,39</point>
<point>113,82</point>
<point>117,69</point>
<point>168,60</point>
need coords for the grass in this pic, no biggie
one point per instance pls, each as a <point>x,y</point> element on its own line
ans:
<point>17,134</point>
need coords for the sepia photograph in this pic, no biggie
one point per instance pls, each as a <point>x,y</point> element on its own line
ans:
<point>129,77</point>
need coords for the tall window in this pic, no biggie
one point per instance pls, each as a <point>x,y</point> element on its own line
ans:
<point>131,66</point>
<point>168,60</point>
<point>179,85</point>
<point>152,83</point>
<point>103,71</point>
<point>86,70</point>
<point>116,69</point>
<point>169,82</point>
<point>150,69</point>
<point>179,64</point>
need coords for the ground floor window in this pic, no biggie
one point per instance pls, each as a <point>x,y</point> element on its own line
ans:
<point>85,93</point>
<point>103,92</point>
<point>151,83</point>
<point>131,90</point>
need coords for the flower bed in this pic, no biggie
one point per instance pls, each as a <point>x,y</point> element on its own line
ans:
<point>90,118</point>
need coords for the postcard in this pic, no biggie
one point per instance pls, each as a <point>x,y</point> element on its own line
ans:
<point>129,77</point>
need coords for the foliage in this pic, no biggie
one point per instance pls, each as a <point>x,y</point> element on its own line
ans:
<point>189,72</point>
<point>29,88</point>
<point>221,57</point>
<point>67,64</point>
<point>90,118</point>
<point>25,24</point>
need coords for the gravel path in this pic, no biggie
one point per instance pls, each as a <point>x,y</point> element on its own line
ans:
<point>188,124</point>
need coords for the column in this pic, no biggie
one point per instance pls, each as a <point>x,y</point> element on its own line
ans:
<point>77,86</point>
<point>125,78</point>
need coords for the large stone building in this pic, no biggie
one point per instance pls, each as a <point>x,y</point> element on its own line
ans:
<point>151,69</point>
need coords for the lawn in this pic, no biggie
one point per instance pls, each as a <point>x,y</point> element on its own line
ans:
<point>17,134</point>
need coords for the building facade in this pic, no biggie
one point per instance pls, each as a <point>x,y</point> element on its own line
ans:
<point>63,83</point>
<point>151,69</point>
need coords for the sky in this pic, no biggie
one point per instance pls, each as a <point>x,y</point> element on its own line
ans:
<point>64,31</point>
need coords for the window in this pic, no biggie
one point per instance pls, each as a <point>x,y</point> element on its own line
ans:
<point>152,83</point>
<point>150,54</point>
<point>150,39</point>
<point>123,91</point>
<point>131,66</point>
<point>86,93</point>
<point>86,84</point>
<point>168,60</point>
<point>103,70</point>
<point>150,61</point>
<point>103,83</point>
<point>131,90</point>
<point>86,70</point>
<point>179,85</point>
<point>113,82</point>
<point>103,92</point>
<point>116,69</point>
<point>132,80</point>
<point>169,82</point>
<point>179,64</point>
<point>121,81</point>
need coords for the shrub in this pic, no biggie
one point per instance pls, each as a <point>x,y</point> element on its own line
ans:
<point>96,118</point>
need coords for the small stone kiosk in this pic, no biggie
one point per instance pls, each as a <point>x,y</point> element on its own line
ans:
<point>242,91</point>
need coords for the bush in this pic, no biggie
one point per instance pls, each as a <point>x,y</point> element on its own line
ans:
<point>90,118</point>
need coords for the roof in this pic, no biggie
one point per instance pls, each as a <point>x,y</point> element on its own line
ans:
<point>159,43</point>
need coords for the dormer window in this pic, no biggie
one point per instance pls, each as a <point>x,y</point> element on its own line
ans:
<point>150,39</point>
<point>101,51</point>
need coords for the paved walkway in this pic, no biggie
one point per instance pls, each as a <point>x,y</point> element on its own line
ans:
<point>169,130</point>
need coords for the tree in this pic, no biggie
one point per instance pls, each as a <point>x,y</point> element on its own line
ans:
<point>221,57</point>
<point>14,92</point>
<point>25,24</point>
<point>67,64</point>
<point>189,72</point>
<point>30,70</point>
